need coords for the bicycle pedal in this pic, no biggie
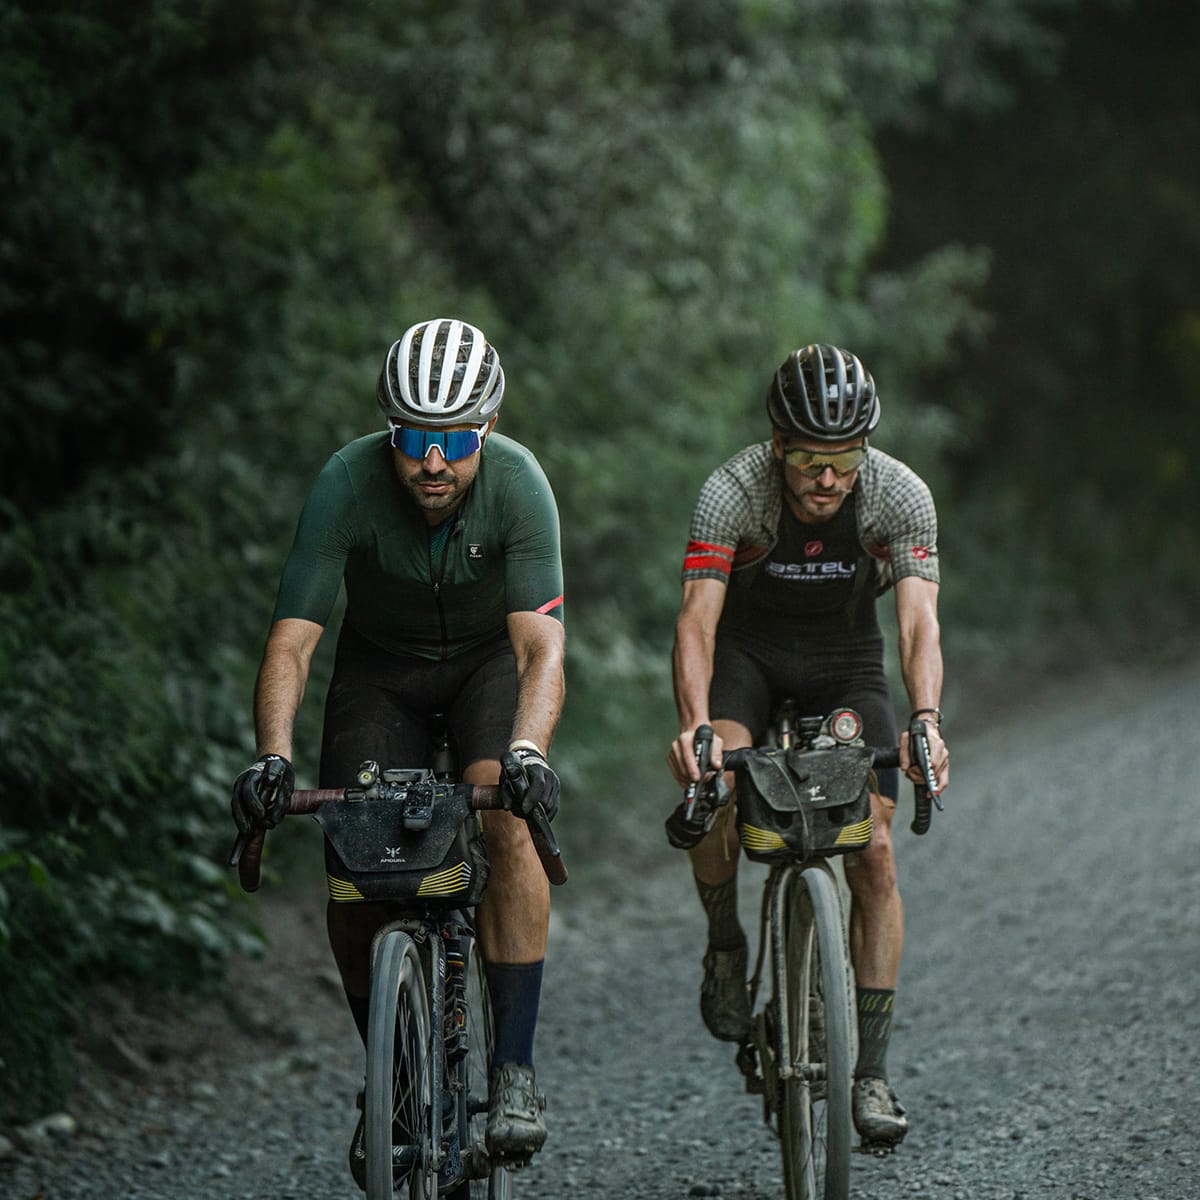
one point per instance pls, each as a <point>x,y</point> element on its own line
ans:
<point>512,1162</point>
<point>876,1148</point>
<point>747,1063</point>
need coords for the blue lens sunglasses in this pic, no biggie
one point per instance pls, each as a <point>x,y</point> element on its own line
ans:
<point>453,443</point>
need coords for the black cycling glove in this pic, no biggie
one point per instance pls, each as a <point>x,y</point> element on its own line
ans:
<point>684,834</point>
<point>538,785</point>
<point>261,793</point>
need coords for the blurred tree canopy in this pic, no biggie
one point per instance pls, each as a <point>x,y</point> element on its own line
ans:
<point>219,214</point>
<point>1079,413</point>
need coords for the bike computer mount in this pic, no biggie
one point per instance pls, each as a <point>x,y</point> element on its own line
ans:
<point>416,789</point>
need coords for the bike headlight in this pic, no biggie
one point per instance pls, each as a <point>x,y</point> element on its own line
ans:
<point>846,725</point>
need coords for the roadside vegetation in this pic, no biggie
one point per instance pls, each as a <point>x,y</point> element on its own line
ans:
<point>218,214</point>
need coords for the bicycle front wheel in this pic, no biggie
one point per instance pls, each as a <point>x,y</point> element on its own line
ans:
<point>814,1114</point>
<point>493,1182</point>
<point>399,1092</point>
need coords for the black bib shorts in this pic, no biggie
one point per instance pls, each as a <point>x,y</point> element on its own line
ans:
<point>751,677</point>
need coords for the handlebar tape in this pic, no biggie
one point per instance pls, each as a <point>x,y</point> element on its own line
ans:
<point>249,864</point>
<point>922,809</point>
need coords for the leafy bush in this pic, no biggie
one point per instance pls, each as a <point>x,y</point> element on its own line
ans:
<point>220,213</point>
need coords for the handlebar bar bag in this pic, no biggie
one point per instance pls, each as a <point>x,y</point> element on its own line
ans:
<point>371,856</point>
<point>794,804</point>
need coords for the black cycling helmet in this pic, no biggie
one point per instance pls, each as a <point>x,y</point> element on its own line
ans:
<point>824,394</point>
<point>441,372</point>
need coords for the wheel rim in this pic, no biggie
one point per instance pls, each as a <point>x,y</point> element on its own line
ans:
<point>399,1092</point>
<point>803,1128</point>
<point>815,1120</point>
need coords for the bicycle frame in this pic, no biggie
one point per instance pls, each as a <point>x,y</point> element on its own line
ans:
<point>445,1157</point>
<point>798,1054</point>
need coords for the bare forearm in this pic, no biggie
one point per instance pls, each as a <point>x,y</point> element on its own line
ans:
<point>538,643</point>
<point>691,663</point>
<point>280,685</point>
<point>540,691</point>
<point>920,641</point>
<point>277,696</point>
<point>921,665</point>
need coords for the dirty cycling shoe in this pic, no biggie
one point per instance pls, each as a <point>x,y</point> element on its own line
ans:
<point>358,1149</point>
<point>515,1127</point>
<point>724,1004</point>
<point>878,1115</point>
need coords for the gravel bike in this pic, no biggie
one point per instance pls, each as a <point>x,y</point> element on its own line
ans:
<point>429,1033</point>
<point>798,1053</point>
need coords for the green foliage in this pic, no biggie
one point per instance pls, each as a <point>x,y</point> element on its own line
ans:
<point>220,213</point>
<point>196,314</point>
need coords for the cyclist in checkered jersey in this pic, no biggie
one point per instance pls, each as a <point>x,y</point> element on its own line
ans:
<point>791,542</point>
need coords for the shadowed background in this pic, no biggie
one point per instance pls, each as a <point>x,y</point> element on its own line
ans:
<point>218,215</point>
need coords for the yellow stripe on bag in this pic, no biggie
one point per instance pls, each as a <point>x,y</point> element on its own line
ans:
<point>342,889</point>
<point>855,835</point>
<point>444,883</point>
<point>761,841</point>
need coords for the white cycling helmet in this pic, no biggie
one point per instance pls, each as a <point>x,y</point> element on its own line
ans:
<point>441,372</point>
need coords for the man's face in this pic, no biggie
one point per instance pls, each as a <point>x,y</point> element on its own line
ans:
<point>815,491</point>
<point>436,484</point>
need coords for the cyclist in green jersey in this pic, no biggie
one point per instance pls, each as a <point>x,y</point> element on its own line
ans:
<point>445,535</point>
<point>791,541</point>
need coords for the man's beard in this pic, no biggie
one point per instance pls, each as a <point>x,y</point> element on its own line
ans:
<point>432,502</point>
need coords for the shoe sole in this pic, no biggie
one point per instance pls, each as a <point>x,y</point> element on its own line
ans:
<point>878,1147</point>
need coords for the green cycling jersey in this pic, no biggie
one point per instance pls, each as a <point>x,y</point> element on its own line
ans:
<point>431,592</point>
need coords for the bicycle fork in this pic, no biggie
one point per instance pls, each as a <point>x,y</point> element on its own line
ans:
<point>770,1056</point>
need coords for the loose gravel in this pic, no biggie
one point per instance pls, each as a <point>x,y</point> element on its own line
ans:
<point>1047,1016</point>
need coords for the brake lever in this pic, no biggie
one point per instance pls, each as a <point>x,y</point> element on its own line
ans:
<point>919,738</point>
<point>272,777</point>
<point>239,847</point>
<point>540,828</point>
<point>702,743</point>
<point>537,821</point>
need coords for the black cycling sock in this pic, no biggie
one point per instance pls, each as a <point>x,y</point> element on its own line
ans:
<point>359,1007</point>
<point>720,905</point>
<point>516,990</point>
<point>874,1031</point>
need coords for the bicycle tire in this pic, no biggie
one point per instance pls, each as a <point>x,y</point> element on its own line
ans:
<point>815,1122</point>
<point>399,1090</point>
<point>497,1184</point>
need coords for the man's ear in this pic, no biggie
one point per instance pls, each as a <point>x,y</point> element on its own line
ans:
<point>777,444</point>
<point>483,433</point>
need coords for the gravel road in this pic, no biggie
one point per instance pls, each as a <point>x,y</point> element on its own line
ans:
<point>1046,1032</point>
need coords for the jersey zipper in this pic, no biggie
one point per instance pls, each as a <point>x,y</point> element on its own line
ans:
<point>437,575</point>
